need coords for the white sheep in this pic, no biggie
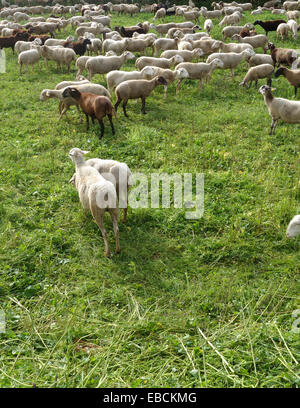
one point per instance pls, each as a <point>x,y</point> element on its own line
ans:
<point>259,59</point>
<point>114,78</point>
<point>26,58</point>
<point>158,62</point>
<point>163,44</point>
<point>117,173</point>
<point>117,46</point>
<point>208,25</point>
<point>283,30</point>
<point>96,195</point>
<point>233,47</point>
<point>293,27</point>
<point>231,19</point>
<point>103,65</point>
<point>59,55</point>
<point>293,228</point>
<point>256,41</point>
<point>200,71</point>
<point>229,31</point>
<point>187,55</point>
<point>231,59</point>
<point>280,108</point>
<point>258,72</point>
<point>160,14</point>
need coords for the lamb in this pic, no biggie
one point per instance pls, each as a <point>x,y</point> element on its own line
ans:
<point>283,30</point>
<point>258,72</point>
<point>96,194</point>
<point>170,76</point>
<point>233,47</point>
<point>231,19</point>
<point>95,46</point>
<point>59,55</point>
<point>136,89</point>
<point>255,41</point>
<point>199,71</point>
<point>283,55</point>
<point>269,25</point>
<point>293,228</point>
<point>27,58</point>
<point>163,44</point>
<point>103,65</point>
<point>117,173</point>
<point>160,14</point>
<point>114,78</point>
<point>280,108</point>
<point>229,31</point>
<point>82,86</point>
<point>208,25</point>
<point>117,46</point>
<point>187,56</point>
<point>158,62</point>
<point>293,76</point>
<point>92,105</point>
<point>293,26</point>
<point>231,59</point>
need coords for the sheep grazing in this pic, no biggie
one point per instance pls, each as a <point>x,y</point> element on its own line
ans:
<point>231,59</point>
<point>158,62</point>
<point>59,55</point>
<point>259,59</point>
<point>293,26</point>
<point>114,78</point>
<point>160,14</point>
<point>293,228</point>
<point>92,105</point>
<point>293,76</point>
<point>280,108</point>
<point>283,55</point>
<point>270,25</point>
<point>136,89</point>
<point>65,103</point>
<point>80,64</point>
<point>229,31</point>
<point>199,71</point>
<point>117,173</point>
<point>283,31</point>
<point>163,44</point>
<point>169,75</point>
<point>26,58</point>
<point>255,41</point>
<point>96,195</point>
<point>103,65</point>
<point>208,25</point>
<point>258,72</point>
<point>187,55</point>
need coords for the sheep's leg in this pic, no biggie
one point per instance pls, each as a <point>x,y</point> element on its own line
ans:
<point>269,81</point>
<point>124,108</point>
<point>178,85</point>
<point>101,128</point>
<point>87,121</point>
<point>99,220</point>
<point>143,110</point>
<point>63,112</point>
<point>273,125</point>
<point>21,69</point>
<point>166,90</point>
<point>111,124</point>
<point>116,231</point>
<point>93,119</point>
<point>296,89</point>
<point>256,83</point>
<point>117,104</point>
<point>232,73</point>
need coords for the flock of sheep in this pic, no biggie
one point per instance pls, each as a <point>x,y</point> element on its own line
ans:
<point>103,185</point>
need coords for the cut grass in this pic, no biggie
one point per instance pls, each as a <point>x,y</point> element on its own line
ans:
<point>201,303</point>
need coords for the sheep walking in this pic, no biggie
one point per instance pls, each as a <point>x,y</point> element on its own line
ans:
<point>92,105</point>
<point>96,195</point>
<point>258,72</point>
<point>136,89</point>
<point>27,58</point>
<point>280,108</point>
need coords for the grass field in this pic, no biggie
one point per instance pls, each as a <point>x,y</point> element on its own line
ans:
<point>232,274</point>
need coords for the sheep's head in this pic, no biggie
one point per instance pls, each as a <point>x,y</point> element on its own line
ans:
<point>293,228</point>
<point>76,154</point>
<point>128,55</point>
<point>160,80</point>
<point>217,63</point>
<point>280,71</point>
<point>71,93</point>
<point>44,95</point>
<point>266,89</point>
<point>148,72</point>
<point>257,22</point>
<point>271,46</point>
<point>248,52</point>
<point>235,37</point>
<point>177,59</point>
<point>198,52</point>
<point>181,73</point>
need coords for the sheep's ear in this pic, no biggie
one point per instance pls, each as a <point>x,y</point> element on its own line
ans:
<point>273,89</point>
<point>72,179</point>
<point>47,93</point>
<point>85,151</point>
